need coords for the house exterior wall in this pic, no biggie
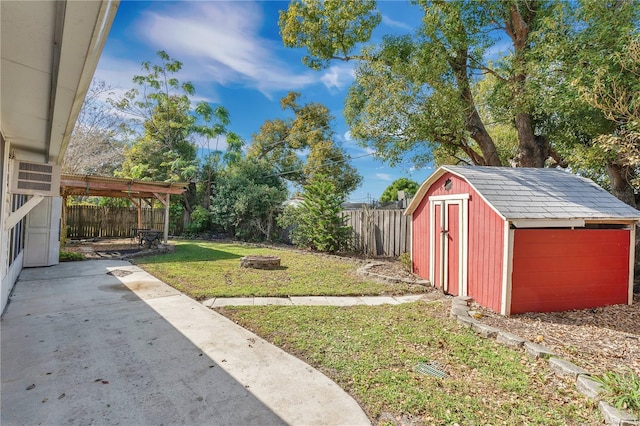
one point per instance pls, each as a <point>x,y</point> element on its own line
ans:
<point>563,269</point>
<point>4,235</point>
<point>485,257</point>
<point>11,240</point>
<point>6,279</point>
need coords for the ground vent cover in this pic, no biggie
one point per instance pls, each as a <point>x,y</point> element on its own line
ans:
<point>431,368</point>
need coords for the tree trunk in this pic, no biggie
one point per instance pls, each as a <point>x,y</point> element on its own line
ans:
<point>269,224</point>
<point>189,198</point>
<point>479,133</point>
<point>473,122</point>
<point>619,176</point>
<point>532,151</point>
<point>206,198</point>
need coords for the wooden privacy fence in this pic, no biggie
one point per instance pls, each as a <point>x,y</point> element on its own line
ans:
<point>116,222</point>
<point>376,232</point>
<point>380,232</point>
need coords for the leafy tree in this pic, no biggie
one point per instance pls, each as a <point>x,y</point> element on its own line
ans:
<point>416,92</point>
<point>200,221</point>
<point>165,151</point>
<point>390,194</point>
<point>607,77</point>
<point>212,164</point>
<point>328,29</point>
<point>98,138</point>
<point>318,223</point>
<point>213,127</point>
<point>282,141</point>
<point>247,199</point>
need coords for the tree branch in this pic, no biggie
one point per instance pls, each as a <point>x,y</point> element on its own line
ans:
<point>487,70</point>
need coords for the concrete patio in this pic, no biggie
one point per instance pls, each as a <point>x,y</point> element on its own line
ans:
<point>103,342</point>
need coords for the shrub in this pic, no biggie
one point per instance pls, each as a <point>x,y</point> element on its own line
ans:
<point>70,256</point>
<point>247,198</point>
<point>318,223</point>
<point>405,259</point>
<point>200,221</point>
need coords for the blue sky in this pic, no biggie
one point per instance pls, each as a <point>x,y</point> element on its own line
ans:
<point>233,54</point>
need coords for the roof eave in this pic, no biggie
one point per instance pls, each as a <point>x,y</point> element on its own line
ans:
<point>422,191</point>
<point>586,220</point>
<point>46,74</point>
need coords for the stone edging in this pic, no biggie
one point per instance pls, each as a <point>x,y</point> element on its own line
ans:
<point>364,271</point>
<point>583,381</point>
<point>161,249</point>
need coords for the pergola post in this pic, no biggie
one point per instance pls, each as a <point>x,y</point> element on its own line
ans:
<point>139,206</point>
<point>166,219</point>
<point>165,202</point>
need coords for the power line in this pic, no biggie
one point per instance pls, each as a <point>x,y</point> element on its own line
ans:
<point>282,173</point>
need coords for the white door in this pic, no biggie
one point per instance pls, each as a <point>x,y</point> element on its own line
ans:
<point>42,233</point>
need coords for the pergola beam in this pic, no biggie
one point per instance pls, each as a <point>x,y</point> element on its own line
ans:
<point>84,185</point>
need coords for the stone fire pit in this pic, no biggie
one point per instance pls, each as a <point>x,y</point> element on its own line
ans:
<point>260,262</point>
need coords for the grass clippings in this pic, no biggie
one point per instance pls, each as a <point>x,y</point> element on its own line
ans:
<point>204,270</point>
<point>372,353</point>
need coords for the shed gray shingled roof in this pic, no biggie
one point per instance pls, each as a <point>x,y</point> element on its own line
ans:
<point>526,193</point>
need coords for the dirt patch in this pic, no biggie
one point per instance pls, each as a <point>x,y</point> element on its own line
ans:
<point>598,340</point>
<point>112,248</point>
<point>393,268</point>
<point>110,244</point>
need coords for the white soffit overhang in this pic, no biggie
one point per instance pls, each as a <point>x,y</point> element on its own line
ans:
<point>49,52</point>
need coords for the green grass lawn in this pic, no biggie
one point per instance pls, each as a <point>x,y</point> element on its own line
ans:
<point>372,352</point>
<point>204,269</point>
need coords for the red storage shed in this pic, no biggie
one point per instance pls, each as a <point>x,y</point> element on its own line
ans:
<point>523,240</point>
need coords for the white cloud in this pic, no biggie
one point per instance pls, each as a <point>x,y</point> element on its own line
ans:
<point>384,176</point>
<point>217,144</point>
<point>370,151</point>
<point>338,76</point>
<point>219,42</point>
<point>304,153</point>
<point>119,74</point>
<point>396,24</point>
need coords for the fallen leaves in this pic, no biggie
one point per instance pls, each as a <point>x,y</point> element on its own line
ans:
<point>599,340</point>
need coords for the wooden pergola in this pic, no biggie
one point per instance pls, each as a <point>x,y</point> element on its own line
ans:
<point>134,190</point>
